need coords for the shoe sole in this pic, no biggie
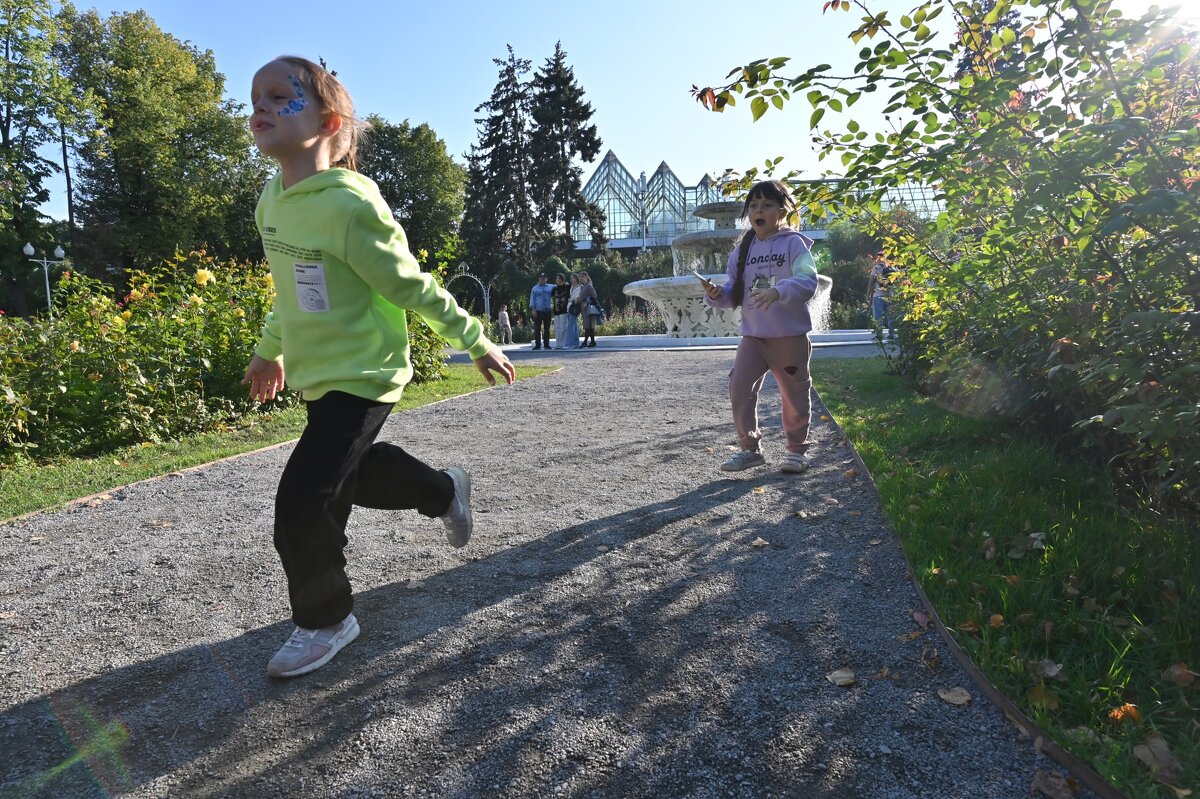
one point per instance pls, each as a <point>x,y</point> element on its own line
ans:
<point>328,656</point>
<point>794,469</point>
<point>462,486</point>
<point>725,468</point>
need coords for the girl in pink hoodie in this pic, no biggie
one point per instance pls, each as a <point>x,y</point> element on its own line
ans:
<point>771,277</point>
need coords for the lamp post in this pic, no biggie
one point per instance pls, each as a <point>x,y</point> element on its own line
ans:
<point>45,262</point>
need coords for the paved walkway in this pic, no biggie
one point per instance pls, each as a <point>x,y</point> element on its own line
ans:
<point>627,622</point>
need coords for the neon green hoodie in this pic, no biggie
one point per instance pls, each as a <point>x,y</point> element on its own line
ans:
<point>343,280</point>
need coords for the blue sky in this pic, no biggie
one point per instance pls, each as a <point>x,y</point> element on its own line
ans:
<point>636,60</point>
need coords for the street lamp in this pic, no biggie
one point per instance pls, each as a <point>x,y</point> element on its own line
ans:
<point>45,262</point>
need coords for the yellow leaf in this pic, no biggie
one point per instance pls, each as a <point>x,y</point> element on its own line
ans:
<point>1126,712</point>
<point>760,490</point>
<point>842,678</point>
<point>1038,695</point>
<point>955,696</point>
<point>824,418</point>
<point>996,621</point>
<point>969,627</point>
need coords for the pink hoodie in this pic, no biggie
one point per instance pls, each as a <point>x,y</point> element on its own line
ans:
<point>785,262</point>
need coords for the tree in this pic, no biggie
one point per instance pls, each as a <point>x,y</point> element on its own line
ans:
<point>421,183</point>
<point>1072,217</point>
<point>562,132</point>
<point>168,164</point>
<point>499,222</point>
<point>35,107</point>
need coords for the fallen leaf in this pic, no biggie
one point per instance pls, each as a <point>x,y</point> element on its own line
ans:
<point>760,490</point>
<point>760,542</point>
<point>930,657</point>
<point>1119,571</point>
<point>1158,758</point>
<point>910,636</point>
<point>1013,579</point>
<point>881,674</point>
<point>1053,785</point>
<point>1088,603</point>
<point>854,513</point>
<point>162,523</point>
<point>1126,712</point>
<point>849,473</point>
<point>416,585</point>
<point>842,677</point>
<point>996,621</point>
<point>969,627</point>
<point>921,618</point>
<point>801,514</point>
<point>830,500</point>
<point>1048,669</point>
<point>988,548</point>
<point>876,542</point>
<point>955,696</point>
<point>1179,674</point>
<point>1045,629</point>
<point>1038,695</point>
<point>37,538</point>
<point>824,418</point>
<point>8,614</point>
<point>601,548</point>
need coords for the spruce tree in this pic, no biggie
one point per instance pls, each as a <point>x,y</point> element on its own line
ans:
<point>499,223</point>
<point>561,132</point>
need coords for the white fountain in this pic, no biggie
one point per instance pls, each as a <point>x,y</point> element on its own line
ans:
<point>680,298</point>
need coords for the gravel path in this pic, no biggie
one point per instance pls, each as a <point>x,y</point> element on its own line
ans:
<point>627,622</point>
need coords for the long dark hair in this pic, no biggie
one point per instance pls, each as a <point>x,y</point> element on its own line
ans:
<point>777,192</point>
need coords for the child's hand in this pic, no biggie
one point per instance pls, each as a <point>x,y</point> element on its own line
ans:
<point>713,291</point>
<point>764,298</point>
<point>265,378</point>
<point>496,361</point>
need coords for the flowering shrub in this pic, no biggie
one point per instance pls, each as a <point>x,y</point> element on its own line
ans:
<point>162,361</point>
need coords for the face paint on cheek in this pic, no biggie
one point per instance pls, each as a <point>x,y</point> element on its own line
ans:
<point>294,107</point>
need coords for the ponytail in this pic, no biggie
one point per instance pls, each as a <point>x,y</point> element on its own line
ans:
<point>739,283</point>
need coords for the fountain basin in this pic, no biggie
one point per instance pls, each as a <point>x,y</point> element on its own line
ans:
<point>680,301</point>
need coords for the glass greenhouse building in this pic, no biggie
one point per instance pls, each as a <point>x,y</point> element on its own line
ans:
<point>650,212</point>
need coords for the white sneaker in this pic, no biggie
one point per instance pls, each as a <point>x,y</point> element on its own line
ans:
<point>743,459</point>
<point>309,650</point>
<point>457,518</point>
<point>794,463</point>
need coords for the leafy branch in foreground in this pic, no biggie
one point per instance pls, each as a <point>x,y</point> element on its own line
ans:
<point>1059,285</point>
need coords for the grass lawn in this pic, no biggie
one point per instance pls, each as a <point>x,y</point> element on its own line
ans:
<point>31,487</point>
<point>1081,609</point>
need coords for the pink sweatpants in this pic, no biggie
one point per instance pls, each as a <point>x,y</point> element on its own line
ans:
<point>785,358</point>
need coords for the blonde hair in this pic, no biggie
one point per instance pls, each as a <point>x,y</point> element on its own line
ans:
<point>333,98</point>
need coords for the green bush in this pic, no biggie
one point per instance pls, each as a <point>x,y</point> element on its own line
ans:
<point>632,322</point>
<point>163,361</point>
<point>849,316</point>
